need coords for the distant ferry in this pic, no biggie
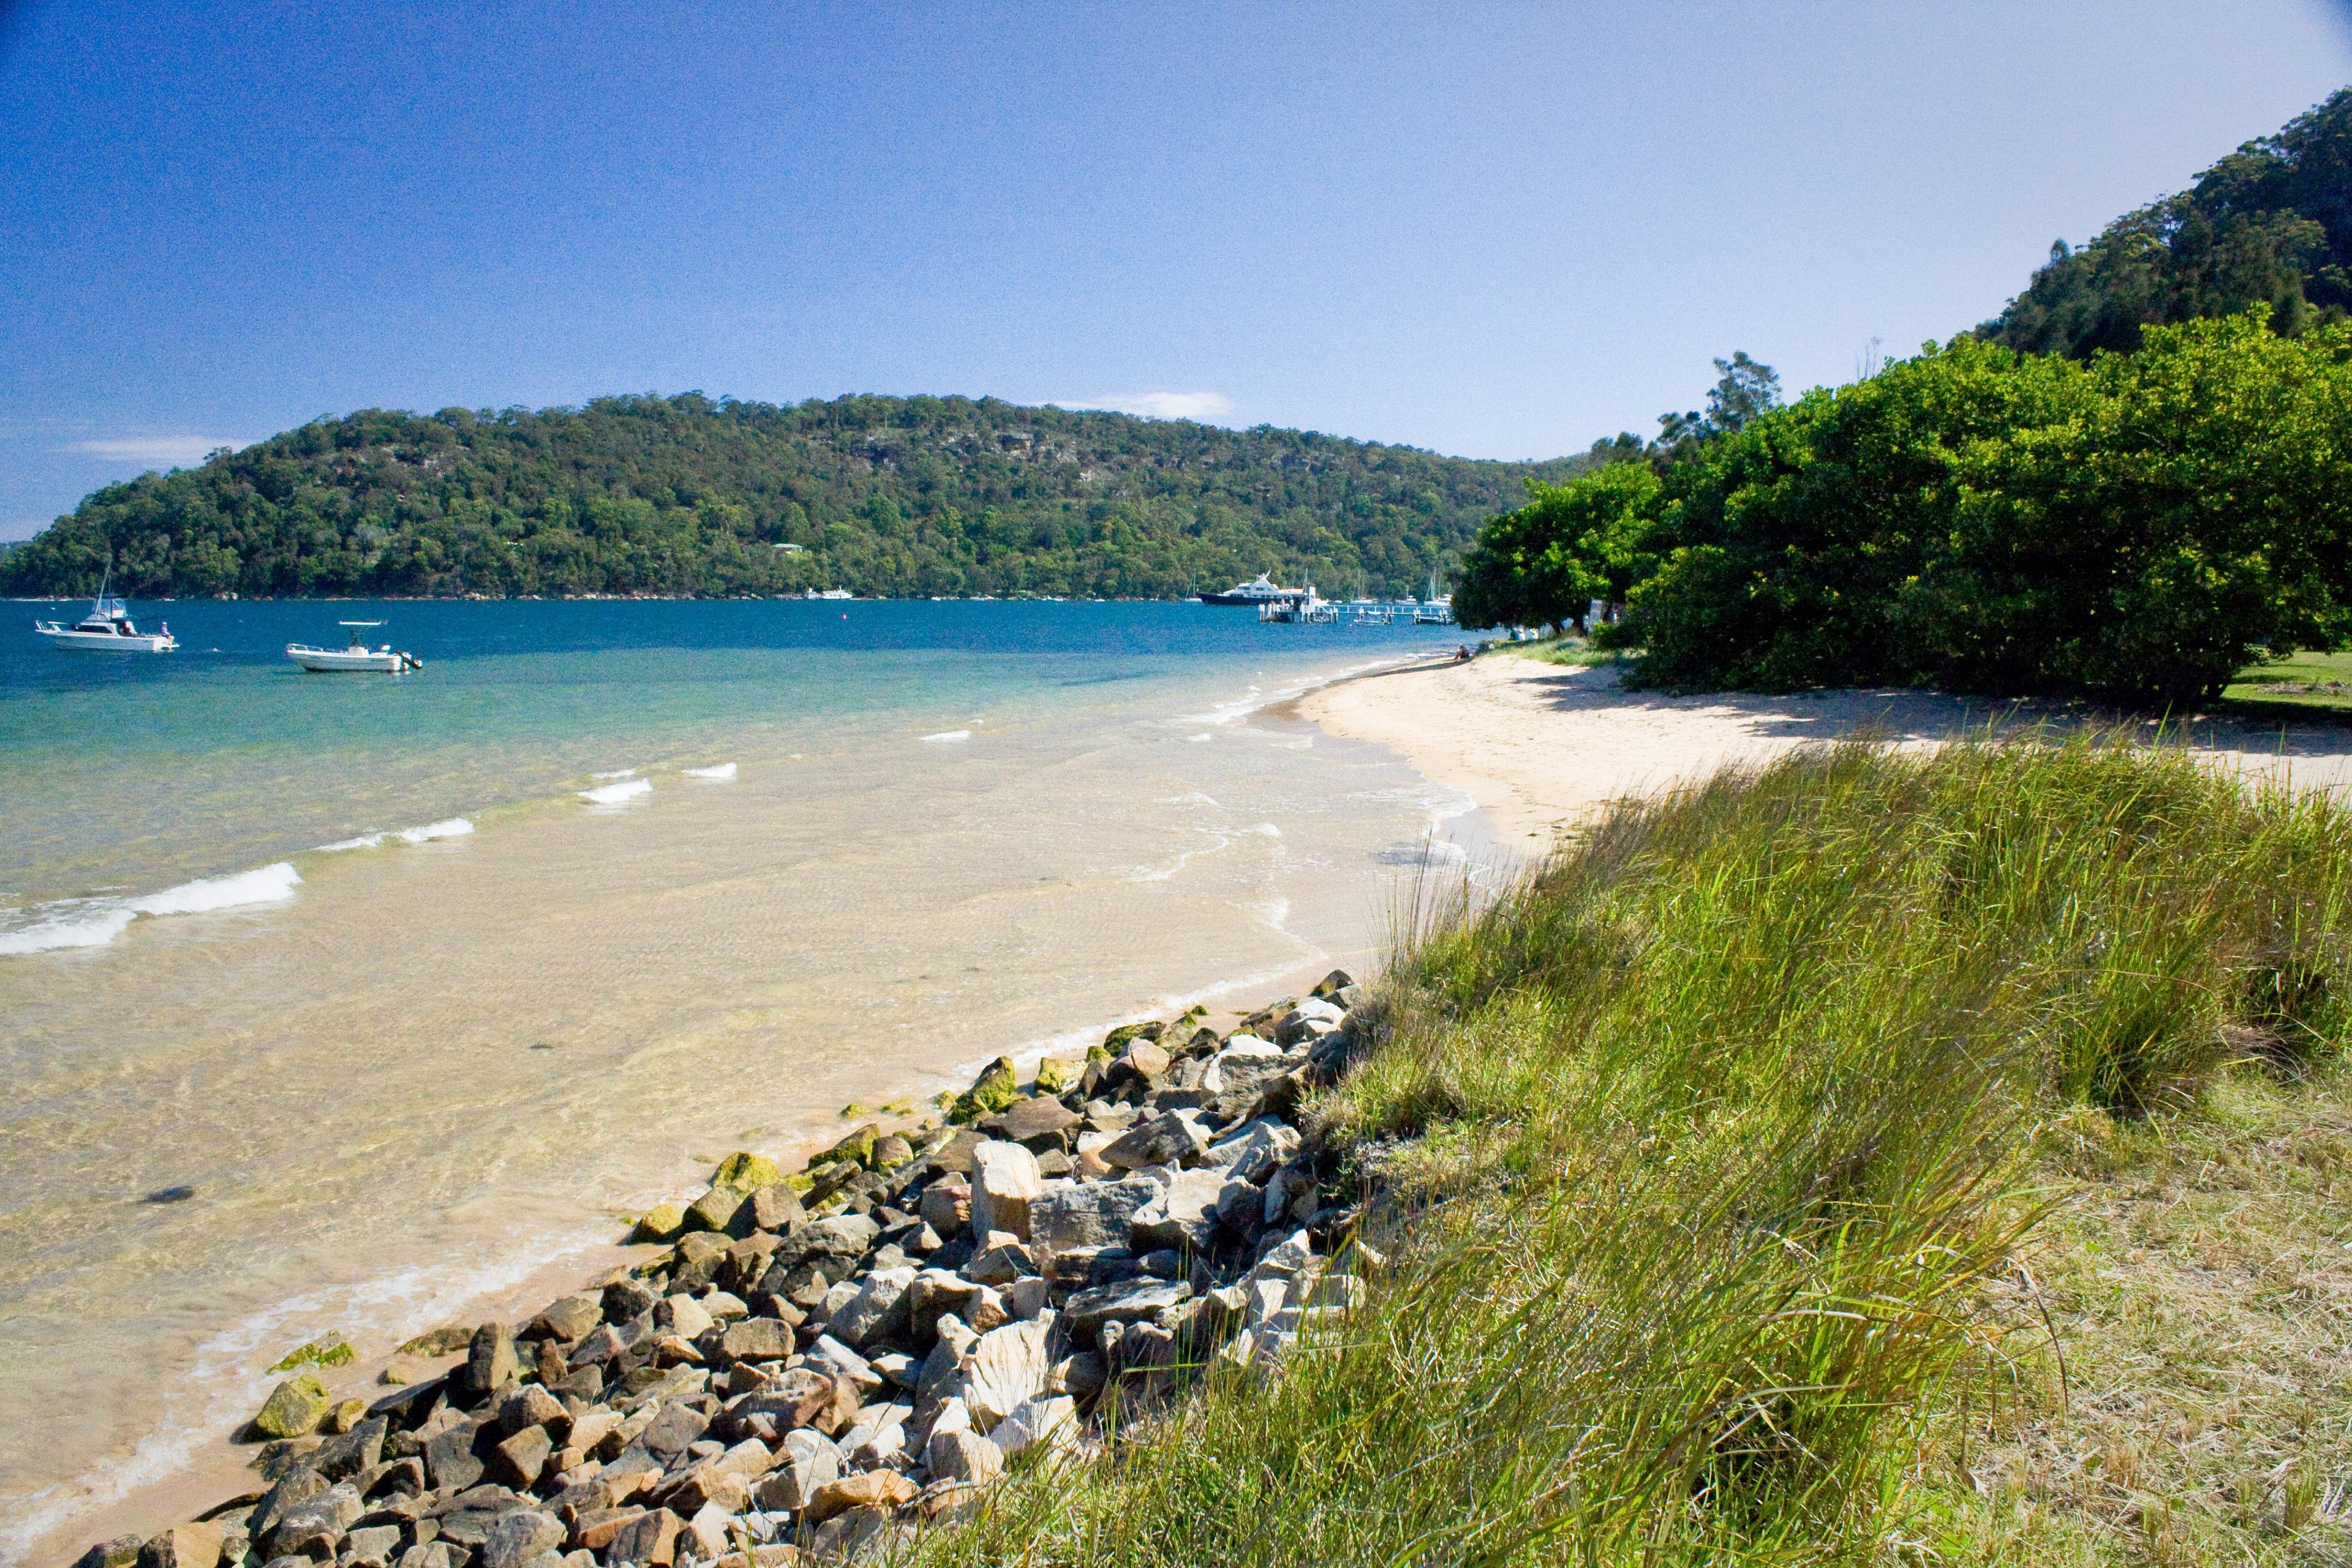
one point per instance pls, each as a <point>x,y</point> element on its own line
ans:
<point>1258,594</point>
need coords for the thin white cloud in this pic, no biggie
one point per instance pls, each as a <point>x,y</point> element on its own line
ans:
<point>174,451</point>
<point>1161,405</point>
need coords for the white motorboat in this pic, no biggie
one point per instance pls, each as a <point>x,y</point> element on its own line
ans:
<point>357,658</point>
<point>107,628</point>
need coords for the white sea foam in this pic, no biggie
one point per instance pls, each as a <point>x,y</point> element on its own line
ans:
<point>268,884</point>
<point>614,794</point>
<point>1264,830</point>
<point>617,774</point>
<point>950,735</point>
<point>718,771</point>
<point>67,924</point>
<point>447,827</point>
<point>1168,872</point>
<point>1198,738</point>
<point>95,922</point>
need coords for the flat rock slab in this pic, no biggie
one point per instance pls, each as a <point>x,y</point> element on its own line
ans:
<point>1125,1302</point>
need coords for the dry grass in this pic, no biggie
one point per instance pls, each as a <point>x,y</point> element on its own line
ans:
<point>2199,1281</point>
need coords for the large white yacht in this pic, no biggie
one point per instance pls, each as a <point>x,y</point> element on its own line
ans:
<point>107,628</point>
<point>1264,592</point>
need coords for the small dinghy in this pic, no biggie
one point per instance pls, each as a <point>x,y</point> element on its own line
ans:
<point>358,657</point>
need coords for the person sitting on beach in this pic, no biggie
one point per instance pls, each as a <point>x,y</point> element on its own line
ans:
<point>1462,654</point>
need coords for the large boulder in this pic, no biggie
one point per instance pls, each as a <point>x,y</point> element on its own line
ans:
<point>934,1293</point>
<point>1068,1216</point>
<point>1184,1215</point>
<point>1251,1151</point>
<point>568,1318</point>
<point>746,1172</point>
<point>1004,1180</point>
<point>1121,1301</point>
<point>293,1408</point>
<point>184,1546</point>
<point>1039,1122</point>
<point>1168,1139</point>
<point>876,1311</point>
<point>998,1085</point>
<point>964,1456</point>
<point>1048,1419</point>
<point>876,1488</point>
<point>1006,1366</point>
<point>806,1461</point>
<point>490,1362</point>
<point>519,1536</point>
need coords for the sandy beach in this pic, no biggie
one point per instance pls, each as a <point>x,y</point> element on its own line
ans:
<point>1541,746</point>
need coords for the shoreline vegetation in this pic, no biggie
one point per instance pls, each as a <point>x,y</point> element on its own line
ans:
<point>688,496</point>
<point>1878,1150</point>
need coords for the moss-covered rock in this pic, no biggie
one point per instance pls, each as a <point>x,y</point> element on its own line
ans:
<point>1150,1030</point>
<point>857,1149</point>
<point>342,1416</point>
<point>294,1407</point>
<point>1055,1076</point>
<point>663,1222</point>
<point>746,1172</point>
<point>440,1342</point>
<point>327,1349</point>
<point>998,1085</point>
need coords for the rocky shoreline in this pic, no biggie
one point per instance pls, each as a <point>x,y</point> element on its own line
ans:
<point>818,1366</point>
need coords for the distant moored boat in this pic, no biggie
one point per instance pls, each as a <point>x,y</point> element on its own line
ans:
<point>1257,596</point>
<point>358,658</point>
<point>107,628</point>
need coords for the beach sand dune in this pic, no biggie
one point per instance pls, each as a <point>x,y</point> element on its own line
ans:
<point>1541,746</point>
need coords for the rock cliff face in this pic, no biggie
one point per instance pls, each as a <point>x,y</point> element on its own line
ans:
<point>814,1366</point>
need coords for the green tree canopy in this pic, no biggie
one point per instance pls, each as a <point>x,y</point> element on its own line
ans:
<point>2268,227</point>
<point>1543,564</point>
<point>894,496</point>
<point>1974,517</point>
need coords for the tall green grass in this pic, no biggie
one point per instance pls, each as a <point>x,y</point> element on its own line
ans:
<point>1693,1149</point>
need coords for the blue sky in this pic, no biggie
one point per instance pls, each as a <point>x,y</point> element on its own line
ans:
<point>1496,230</point>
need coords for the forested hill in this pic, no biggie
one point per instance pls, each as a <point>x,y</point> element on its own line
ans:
<point>683,495</point>
<point>2270,225</point>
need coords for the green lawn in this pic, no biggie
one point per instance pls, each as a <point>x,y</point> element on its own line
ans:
<point>2301,683</point>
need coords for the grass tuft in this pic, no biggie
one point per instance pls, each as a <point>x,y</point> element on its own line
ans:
<point>1710,1160</point>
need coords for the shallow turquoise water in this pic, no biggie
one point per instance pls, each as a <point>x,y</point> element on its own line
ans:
<point>399,1075</point>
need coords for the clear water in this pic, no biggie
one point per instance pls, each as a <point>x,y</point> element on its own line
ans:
<point>360,960</point>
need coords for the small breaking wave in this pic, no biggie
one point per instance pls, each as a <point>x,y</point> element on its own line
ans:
<point>447,827</point>
<point>617,774</point>
<point>614,794</point>
<point>95,922</point>
<point>717,771</point>
<point>950,735</point>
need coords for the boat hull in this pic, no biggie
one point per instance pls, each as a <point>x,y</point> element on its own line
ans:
<point>332,661</point>
<point>107,642</point>
<point>1250,601</point>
